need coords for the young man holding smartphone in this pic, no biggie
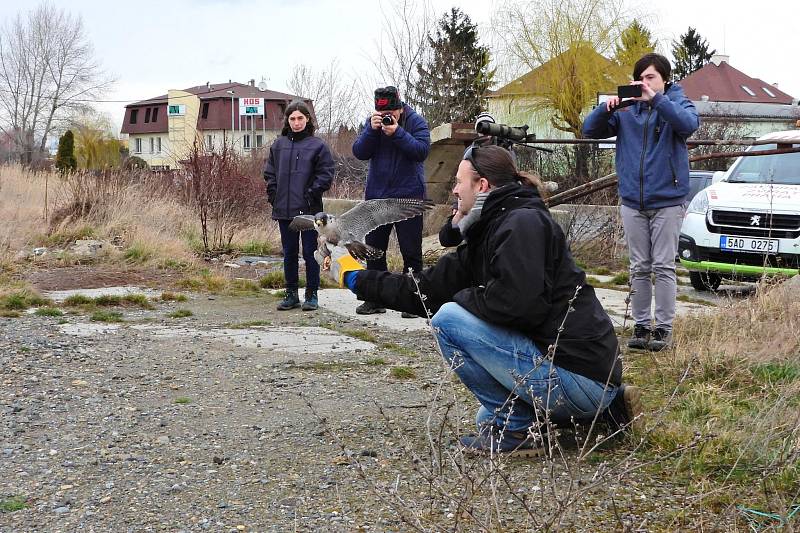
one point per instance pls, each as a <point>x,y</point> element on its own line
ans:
<point>652,164</point>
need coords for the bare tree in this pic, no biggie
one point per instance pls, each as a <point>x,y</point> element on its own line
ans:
<point>403,45</point>
<point>335,96</point>
<point>47,67</point>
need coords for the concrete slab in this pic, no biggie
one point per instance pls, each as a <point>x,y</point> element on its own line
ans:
<point>88,330</point>
<point>344,302</point>
<point>299,340</point>
<point>60,296</point>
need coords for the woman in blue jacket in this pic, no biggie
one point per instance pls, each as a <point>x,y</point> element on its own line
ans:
<point>299,169</point>
<point>653,170</point>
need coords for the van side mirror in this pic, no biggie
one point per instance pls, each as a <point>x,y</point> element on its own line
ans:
<point>717,176</point>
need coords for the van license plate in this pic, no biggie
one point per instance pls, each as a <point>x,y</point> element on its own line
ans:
<point>731,243</point>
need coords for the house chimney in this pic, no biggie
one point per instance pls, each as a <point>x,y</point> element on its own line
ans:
<point>704,98</point>
<point>719,58</point>
<point>252,82</point>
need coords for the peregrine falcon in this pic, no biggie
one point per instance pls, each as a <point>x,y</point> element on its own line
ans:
<point>350,228</point>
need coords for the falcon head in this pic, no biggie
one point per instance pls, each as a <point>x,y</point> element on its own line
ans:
<point>322,219</point>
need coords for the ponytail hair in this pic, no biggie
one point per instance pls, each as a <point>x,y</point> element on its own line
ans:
<point>497,166</point>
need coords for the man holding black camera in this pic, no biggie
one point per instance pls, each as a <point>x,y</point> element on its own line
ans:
<point>653,169</point>
<point>396,141</point>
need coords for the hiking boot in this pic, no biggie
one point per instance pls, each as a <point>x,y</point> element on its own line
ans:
<point>640,338</point>
<point>369,308</point>
<point>311,302</point>
<point>290,301</point>
<point>661,339</point>
<point>405,314</point>
<point>625,410</point>
<point>494,440</point>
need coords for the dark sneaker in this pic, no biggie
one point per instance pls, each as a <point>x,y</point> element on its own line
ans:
<point>493,440</point>
<point>369,308</point>
<point>661,339</point>
<point>625,411</point>
<point>290,301</point>
<point>640,338</point>
<point>408,315</point>
<point>311,302</point>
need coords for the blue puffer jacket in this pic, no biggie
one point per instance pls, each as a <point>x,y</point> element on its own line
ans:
<point>652,159</point>
<point>297,173</point>
<point>395,163</point>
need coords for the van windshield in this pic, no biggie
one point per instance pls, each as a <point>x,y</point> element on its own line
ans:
<point>781,169</point>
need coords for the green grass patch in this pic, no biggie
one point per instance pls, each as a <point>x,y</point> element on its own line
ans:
<point>21,299</point>
<point>66,236</point>
<point>777,372</point>
<point>396,348</point>
<point>183,400</point>
<point>359,334</point>
<point>601,271</point>
<point>204,281</point>
<point>689,299</point>
<point>621,278</point>
<point>9,314</point>
<point>106,316</point>
<point>244,286</point>
<point>255,248</point>
<point>49,311</point>
<point>375,361</point>
<point>109,300</point>
<point>172,297</point>
<point>138,253</point>
<point>13,503</point>
<point>180,313</point>
<point>173,264</point>
<point>78,300</point>
<point>402,372</point>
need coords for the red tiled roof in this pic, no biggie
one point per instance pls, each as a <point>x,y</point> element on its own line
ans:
<point>723,83</point>
<point>219,90</point>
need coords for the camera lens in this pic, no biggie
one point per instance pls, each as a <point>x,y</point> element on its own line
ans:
<point>387,120</point>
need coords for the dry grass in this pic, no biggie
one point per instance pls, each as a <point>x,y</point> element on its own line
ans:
<point>137,212</point>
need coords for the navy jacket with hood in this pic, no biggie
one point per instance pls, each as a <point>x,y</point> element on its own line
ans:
<point>395,163</point>
<point>298,170</point>
<point>652,159</point>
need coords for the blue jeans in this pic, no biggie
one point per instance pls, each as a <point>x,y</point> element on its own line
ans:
<point>289,242</point>
<point>509,376</point>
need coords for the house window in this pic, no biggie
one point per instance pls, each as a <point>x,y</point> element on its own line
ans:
<point>152,145</point>
<point>259,141</point>
<point>209,142</point>
<point>147,115</point>
<point>769,93</point>
<point>246,141</point>
<point>154,117</point>
<point>158,145</point>
<point>137,145</point>
<point>205,110</point>
<point>134,115</point>
<point>747,90</point>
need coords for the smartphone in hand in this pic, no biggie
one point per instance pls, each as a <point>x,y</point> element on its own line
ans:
<point>629,91</point>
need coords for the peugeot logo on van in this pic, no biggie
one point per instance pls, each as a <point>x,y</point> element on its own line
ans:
<point>755,220</point>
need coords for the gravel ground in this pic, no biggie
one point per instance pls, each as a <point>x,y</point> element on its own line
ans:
<point>131,431</point>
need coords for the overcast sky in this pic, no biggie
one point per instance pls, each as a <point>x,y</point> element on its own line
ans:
<point>150,46</point>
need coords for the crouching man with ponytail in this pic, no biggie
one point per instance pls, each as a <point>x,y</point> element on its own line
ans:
<point>498,304</point>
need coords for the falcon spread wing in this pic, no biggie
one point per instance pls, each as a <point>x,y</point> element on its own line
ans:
<point>302,223</point>
<point>370,214</point>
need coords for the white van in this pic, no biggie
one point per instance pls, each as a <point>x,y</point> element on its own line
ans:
<point>747,223</point>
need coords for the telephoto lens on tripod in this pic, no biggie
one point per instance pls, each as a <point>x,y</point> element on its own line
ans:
<point>502,131</point>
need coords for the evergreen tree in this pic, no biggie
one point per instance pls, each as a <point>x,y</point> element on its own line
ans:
<point>65,157</point>
<point>690,53</point>
<point>635,41</point>
<point>455,76</point>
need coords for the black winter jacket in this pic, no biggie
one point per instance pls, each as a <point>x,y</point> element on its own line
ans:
<point>515,271</point>
<point>297,173</point>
